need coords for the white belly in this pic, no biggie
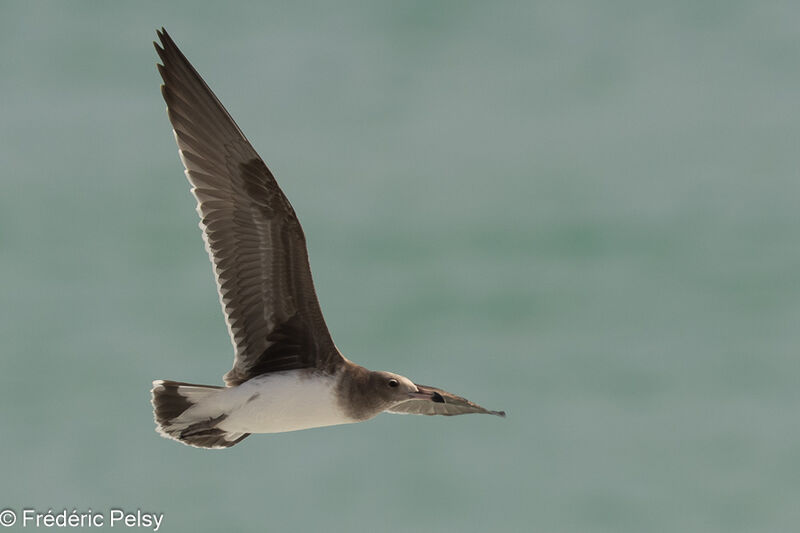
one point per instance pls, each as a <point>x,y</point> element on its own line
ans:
<point>281,401</point>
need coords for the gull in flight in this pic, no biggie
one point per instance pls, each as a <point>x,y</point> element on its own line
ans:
<point>287,373</point>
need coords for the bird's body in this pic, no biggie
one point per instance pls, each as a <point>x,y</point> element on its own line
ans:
<point>265,409</point>
<point>287,374</point>
<point>274,403</point>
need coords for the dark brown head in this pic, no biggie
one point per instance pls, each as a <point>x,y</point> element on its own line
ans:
<point>365,394</point>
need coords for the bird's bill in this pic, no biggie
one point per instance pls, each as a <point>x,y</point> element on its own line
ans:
<point>432,401</point>
<point>428,393</point>
<point>421,394</point>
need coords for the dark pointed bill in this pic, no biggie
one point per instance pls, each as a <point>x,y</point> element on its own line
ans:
<point>433,401</point>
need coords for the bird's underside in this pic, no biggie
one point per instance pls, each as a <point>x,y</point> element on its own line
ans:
<point>287,373</point>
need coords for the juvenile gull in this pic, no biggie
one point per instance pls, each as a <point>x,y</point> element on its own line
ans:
<point>287,373</point>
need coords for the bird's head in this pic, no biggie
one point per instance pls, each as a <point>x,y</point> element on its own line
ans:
<point>392,389</point>
<point>369,393</point>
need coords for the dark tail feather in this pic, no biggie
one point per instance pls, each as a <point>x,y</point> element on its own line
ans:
<point>171,400</point>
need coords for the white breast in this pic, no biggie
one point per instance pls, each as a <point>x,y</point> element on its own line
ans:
<point>282,401</point>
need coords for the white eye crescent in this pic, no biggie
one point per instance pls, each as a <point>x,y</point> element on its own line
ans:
<point>393,383</point>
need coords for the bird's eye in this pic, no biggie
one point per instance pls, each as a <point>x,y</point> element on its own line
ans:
<point>393,383</point>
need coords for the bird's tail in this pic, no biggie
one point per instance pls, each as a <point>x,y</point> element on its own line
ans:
<point>175,420</point>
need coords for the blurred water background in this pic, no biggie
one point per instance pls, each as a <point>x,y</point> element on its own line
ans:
<point>583,213</point>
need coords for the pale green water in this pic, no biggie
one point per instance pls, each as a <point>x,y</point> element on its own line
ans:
<point>583,213</point>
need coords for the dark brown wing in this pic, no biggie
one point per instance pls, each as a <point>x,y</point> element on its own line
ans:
<point>443,403</point>
<point>251,232</point>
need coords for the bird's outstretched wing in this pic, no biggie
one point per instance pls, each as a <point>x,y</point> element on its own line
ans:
<point>442,403</point>
<point>252,234</point>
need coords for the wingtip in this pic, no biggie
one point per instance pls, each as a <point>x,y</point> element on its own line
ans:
<point>501,414</point>
<point>164,37</point>
<point>166,40</point>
